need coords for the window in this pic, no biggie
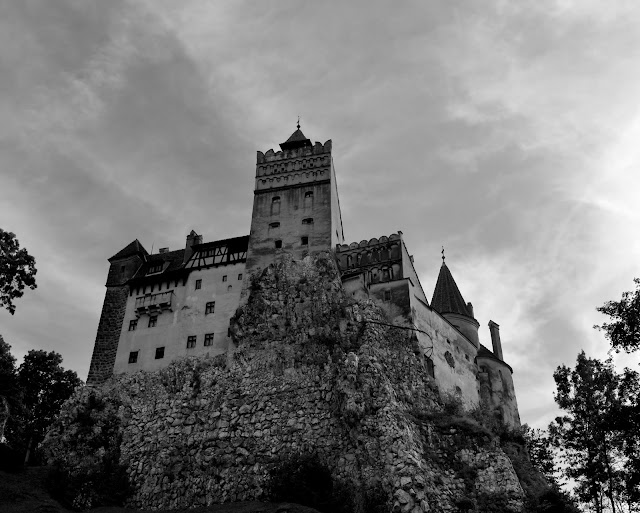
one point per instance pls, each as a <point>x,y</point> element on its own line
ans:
<point>229,288</point>
<point>278,244</point>
<point>308,199</point>
<point>308,220</point>
<point>155,268</point>
<point>273,226</point>
<point>387,295</point>
<point>159,353</point>
<point>466,356</point>
<point>133,324</point>
<point>198,284</point>
<point>208,339</point>
<point>430,368</point>
<point>122,269</point>
<point>239,276</point>
<point>191,342</point>
<point>224,278</point>
<point>133,356</point>
<point>153,321</point>
<point>210,308</point>
<point>304,241</point>
<point>275,206</point>
<point>229,332</point>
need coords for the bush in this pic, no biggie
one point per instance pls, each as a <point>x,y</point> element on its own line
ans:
<point>11,460</point>
<point>83,448</point>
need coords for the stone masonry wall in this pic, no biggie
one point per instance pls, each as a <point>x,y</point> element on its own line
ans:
<point>313,371</point>
<point>109,327</point>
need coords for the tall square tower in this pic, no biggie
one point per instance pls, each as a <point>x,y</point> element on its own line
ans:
<point>295,207</point>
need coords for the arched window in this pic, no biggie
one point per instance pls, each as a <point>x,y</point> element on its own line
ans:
<point>308,199</point>
<point>349,261</point>
<point>385,274</point>
<point>275,206</point>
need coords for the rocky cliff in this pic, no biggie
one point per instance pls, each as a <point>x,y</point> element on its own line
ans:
<point>313,372</point>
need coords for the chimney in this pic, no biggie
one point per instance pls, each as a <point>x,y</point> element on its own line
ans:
<point>470,308</point>
<point>495,339</point>
<point>192,239</point>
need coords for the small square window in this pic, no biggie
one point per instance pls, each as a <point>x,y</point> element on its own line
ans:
<point>155,268</point>
<point>278,244</point>
<point>133,356</point>
<point>274,225</point>
<point>122,269</point>
<point>133,324</point>
<point>153,321</point>
<point>387,295</point>
<point>159,353</point>
<point>304,241</point>
<point>208,339</point>
<point>229,288</point>
<point>191,342</point>
<point>308,220</point>
<point>210,308</point>
<point>239,276</point>
<point>224,278</point>
<point>198,284</point>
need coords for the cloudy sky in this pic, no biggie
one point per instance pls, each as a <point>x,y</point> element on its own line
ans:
<point>506,131</point>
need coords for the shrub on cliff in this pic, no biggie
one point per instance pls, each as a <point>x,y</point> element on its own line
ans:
<point>83,447</point>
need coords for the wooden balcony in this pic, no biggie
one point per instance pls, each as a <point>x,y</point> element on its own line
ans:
<point>153,304</point>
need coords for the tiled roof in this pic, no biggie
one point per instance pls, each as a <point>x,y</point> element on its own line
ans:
<point>297,140</point>
<point>134,248</point>
<point>447,297</point>
<point>484,352</point>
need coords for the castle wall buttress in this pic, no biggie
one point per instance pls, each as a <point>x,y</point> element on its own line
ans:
<point>109,328</point>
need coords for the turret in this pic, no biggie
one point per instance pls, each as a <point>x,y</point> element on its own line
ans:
<point>448,301</point>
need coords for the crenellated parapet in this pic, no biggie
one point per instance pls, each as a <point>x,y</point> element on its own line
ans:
<point>379,258</point>
<point>294,166</point>
<point>302,152</point>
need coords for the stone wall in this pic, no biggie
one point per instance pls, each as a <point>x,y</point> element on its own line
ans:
<point>312,371</point>
<point>109,328</point>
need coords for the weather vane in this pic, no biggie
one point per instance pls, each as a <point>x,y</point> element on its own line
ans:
<point>298,122</point>
<point>442,254</point>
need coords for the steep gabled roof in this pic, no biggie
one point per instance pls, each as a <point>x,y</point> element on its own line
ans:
<point>297,140</point>
<point>447,297</point>
<point>134,248</point>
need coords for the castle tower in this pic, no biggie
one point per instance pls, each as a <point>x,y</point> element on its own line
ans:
<point>295,207</point>
<point>448,301</point>
<point>123,266</point>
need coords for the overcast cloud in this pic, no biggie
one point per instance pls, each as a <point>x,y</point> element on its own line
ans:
<point>506,131</point>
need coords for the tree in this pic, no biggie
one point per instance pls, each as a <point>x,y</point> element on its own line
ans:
<point>624,330</point>
<point>45,386</point>
<point>593,437</point>
<point>17,270</point>
<point>9,391</point>
<point>540,451</point>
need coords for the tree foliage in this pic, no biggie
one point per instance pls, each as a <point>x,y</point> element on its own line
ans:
<point>17,270</point>
<point>595,438</point>
<point>624,329</point>
<point>45,385</point>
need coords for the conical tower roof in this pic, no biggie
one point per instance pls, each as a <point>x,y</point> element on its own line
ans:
<point>133,248</point>
<point>297,140</point>
<point>447,297</point>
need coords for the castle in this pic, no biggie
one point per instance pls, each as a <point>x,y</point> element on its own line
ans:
<point>173,304</point>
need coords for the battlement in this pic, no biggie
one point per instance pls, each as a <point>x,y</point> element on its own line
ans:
<point>369,243</point>
<point>271,156</point>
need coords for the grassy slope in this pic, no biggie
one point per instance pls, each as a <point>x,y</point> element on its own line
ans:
<point>25,492</point>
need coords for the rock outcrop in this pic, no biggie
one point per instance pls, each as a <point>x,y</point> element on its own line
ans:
<point>312,371</point>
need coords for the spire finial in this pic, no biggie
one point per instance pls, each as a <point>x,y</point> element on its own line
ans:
<point>298,125</point>
<point>442,255</point>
